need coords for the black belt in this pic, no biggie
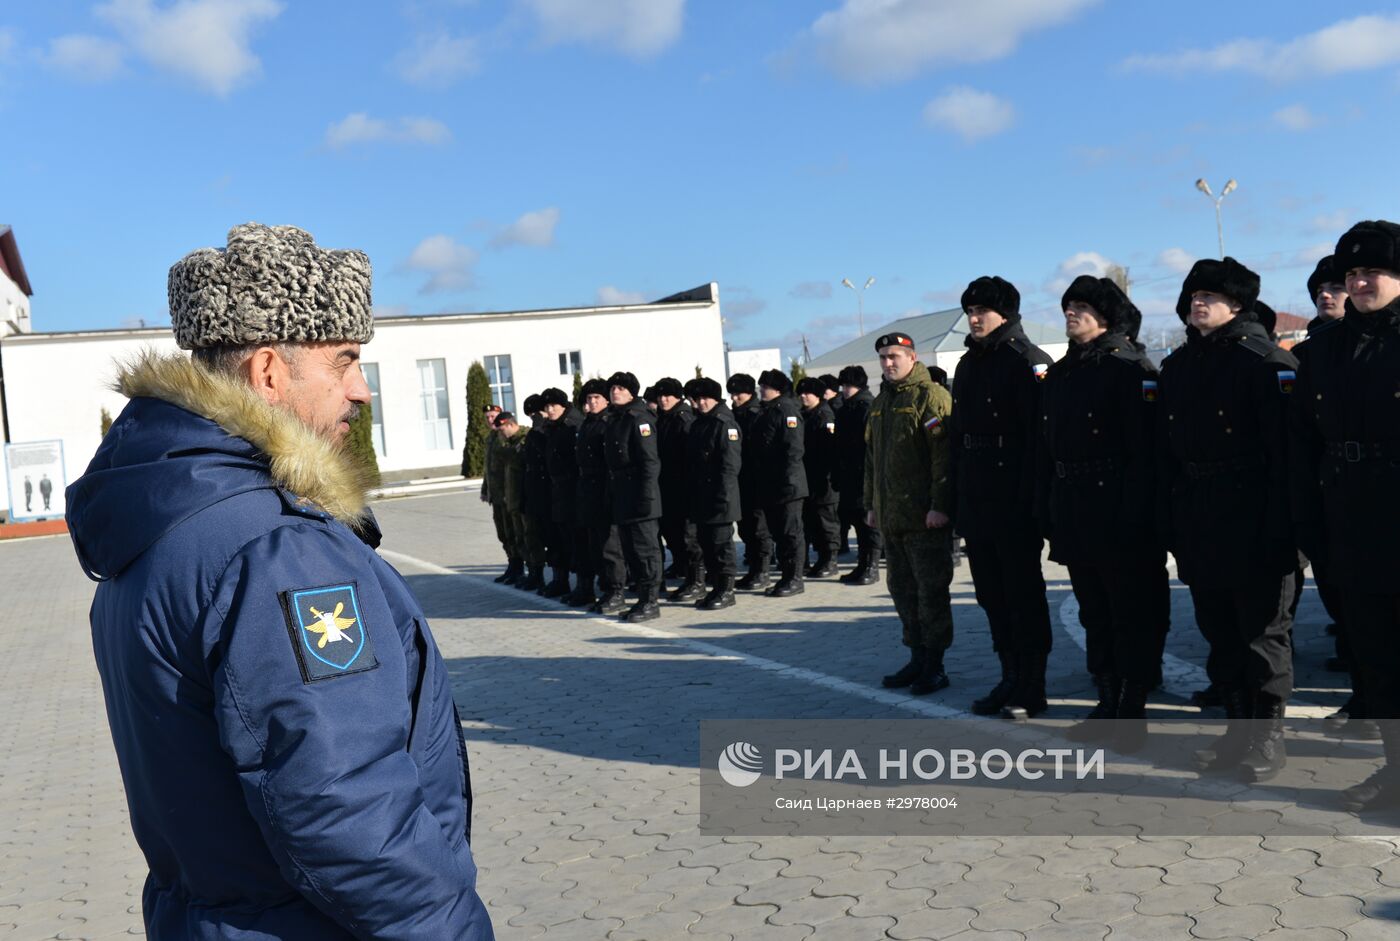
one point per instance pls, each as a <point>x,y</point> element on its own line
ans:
<point>1084,468</point>
<point>1355,451</point>
<point>984,442</point>
<point>1215,468</point>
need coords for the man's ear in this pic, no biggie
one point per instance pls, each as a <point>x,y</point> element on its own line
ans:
<point>268,374</point>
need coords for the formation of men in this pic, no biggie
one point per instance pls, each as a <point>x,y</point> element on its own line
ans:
<point>1243,460</point>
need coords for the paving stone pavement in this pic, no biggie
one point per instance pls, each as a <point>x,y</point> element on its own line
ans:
<point>584,739</point>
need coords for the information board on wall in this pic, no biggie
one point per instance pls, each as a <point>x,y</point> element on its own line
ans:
<point>35,478</point>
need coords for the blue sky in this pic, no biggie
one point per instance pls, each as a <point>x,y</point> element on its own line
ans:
<point>509,154</point>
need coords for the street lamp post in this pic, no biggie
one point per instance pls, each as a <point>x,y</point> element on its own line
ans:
<point>860,300</point>
<point>1229,188</point>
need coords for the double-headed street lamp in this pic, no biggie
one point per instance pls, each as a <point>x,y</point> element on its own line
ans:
<point>1229,188</point>
<point>860,300</point>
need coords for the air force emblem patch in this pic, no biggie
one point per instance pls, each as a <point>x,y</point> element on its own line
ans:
<point>1286,378</point>
<point>327,632</point>
<point>733,434</point>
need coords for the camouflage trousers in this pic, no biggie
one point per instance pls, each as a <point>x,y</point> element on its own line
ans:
<point>498,516</point>
<point>524,539</point>
<point>919,571</point>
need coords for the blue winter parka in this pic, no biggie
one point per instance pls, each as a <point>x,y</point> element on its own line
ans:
<point>284,722</point>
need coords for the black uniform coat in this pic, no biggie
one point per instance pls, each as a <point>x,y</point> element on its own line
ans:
<point>776,441</point>
<point>849,472</point>
<point>634,469</point>
<point>712,455</point>
<point>671,430</point>
<point>819,452</point>
<point>1345,421</point>
<point>1094,495</point>
<point>562,464</point>
<point>535,459</point>
<point>996,411</point>
<point>1222,455</point>
<point>746,415</point>
<point>591,499</point>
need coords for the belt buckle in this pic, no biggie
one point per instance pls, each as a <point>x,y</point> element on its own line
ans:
<point>1351,450</point>
<point>1059,469</point>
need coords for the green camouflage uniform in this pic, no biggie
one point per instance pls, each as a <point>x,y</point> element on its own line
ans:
<point>906,477</point>
<point>493,490</point>
<point>522,532</point>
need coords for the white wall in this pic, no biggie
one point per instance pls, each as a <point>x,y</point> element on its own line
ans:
<point>14,308</point>
<point>57,384</point>
<point>754,362</point>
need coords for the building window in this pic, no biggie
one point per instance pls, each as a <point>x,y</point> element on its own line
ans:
<point>571,363</point>
<point>432,396</point>
<point>376,411</point>
<point>502,385</point>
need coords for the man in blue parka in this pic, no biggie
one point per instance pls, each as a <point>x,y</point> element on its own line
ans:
<point>283,719</point>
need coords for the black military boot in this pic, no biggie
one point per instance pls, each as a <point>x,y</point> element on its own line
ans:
<point>692,588</point>
<point>908,673</point>
<point>614,602</point>
<point>1225,752</point>
<point>933,678</point>
<point>1027,700</point>
<point>1130,729</point>
<point>720,596</point>
<point>582,596</point>
<point>867,570</point>
<point>532,582</point>
<point>990,704</point>
<point>853,576</point>
<point>1265,757</point>
<point>1381,791</point>
<point>756,577</point>
<point>508,576</point>
<point>559,586</point>
<point>646,608</point>
<point>1096,725</point>
<point>824,567</point>
<point>790,584</point>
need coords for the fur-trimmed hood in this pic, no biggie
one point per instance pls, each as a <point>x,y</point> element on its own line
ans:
<point>189,439</point>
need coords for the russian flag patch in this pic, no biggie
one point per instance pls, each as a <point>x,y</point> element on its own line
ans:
<point>933,422</point>
<point>1149,390</point>
<point>1040,370</point>
<point>1286,378</point>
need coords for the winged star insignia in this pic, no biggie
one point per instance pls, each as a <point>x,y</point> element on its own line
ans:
<point>327,631</point>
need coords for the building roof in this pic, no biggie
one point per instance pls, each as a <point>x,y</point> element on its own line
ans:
<point>10,262</point>
<point>943,331</point>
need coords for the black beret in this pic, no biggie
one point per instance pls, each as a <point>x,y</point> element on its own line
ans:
<point>995,293</point>
<point>504,416</point>
<point>596,387</point>
<point>1227,277</point>
<point>704,388</point>
<point>553,396</point>
<point>854,376</point>
<point>626,380</point>
<point>489,406</point>
<point>894,339</point>
<point>1265,315</point>
<point>775,379</point>
<point>1369,245</point>
<point>669,386</point>
<point>1326,272</point>
<point>810,385</point>
<point>741,383</point>
<point>532,404</point>
<point>1114,310</point>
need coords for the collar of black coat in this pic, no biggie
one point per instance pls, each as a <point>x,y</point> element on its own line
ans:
<point>1008,331</point>
<point>1387,319</point>
<point>1102,345</point>
<point>1230,332</point>
<point>299,460</point>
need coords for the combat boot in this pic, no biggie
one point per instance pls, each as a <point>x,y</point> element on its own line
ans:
<point>911,671</point>
<point>1096,725</point>
<point>646,608</point>
<point>755,578</point>
<point>1130,731</point>
<point>990,704</point>
<point>559,587</point>
<point>508,576</point>
<point>1027,700</point>
<point>1265,757</point>
<point>1381,791</point>
<point>582,596</point>
<point>1228,749</point>
<point>854,575</point>
<point>614,602</point>
<point>933,678</point>
<point>689,590</point>
<point>532,582</point>
<point>824,567</point>
<point>721,596</point>
<point>790,584</point>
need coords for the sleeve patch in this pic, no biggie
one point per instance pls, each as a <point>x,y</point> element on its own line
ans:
<point>328,634</point>
<point>733,434</point>
<point>644,429</point>
<point>1149,390</point>
<point>1040,369</point>
<point>831,427</point>
<point>933,422</point>
<point>792,421</point>
<point>1286,378</point>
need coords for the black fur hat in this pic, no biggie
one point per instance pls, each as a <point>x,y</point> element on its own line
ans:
<point>704,388</point>
<point>532,404</point>
<point>626,380</point>
<point>650,395</point>
<point>553,396</point>
<point>831,382</point>
<point>1227,277</point>
<point>595,387</point>
<point>996,293</point>
<point>810,385</point>
<point>1325,273</point>
<point>1114,310</point>
<point>1370,245</point>
<point>669,386</point>
<point>1266,316</point>
<point>741,383</point>
<point>854,376</point>
<point>939,375</point>
<point>776,379</point>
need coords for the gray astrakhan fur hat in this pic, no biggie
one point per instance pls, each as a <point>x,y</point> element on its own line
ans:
<point>271,284</point>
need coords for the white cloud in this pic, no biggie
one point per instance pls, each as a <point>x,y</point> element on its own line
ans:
<point>1090,263</point>
<point>360,128</point>
<point>639,28</point>
<point>1331,223</point>
<point>205,40</point>
<point>1295,118</point>
<point>969,113</point>
<point>86,58</point>
<point>1355,45</point>
<point>812,290</point>
<point>534,229</point>
<point>448,263</point>
<point>609,296</point>
<point>437,61</point>
<point>1178,260</point>
<point>873,41</point>
<point>1311,254</point>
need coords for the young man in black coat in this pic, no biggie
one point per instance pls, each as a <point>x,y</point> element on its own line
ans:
<point>849,474</point>
<point>713,458</point>
<point>1094,502</point>
<point>996,412</point>
<point>776,451</point>
<point>753,527</point>
<point>673,420</point>
<point>535,460</point>
<point>1223,506</point>
<point>594,503</point>
<point>819,524</point>
<point>634,472</point>
<point>1344,416</point>
<point>568,543</point>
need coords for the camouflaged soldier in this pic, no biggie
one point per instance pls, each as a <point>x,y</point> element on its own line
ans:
<point>907,492</point>
<point>520,526</point>
<point>493,492</point>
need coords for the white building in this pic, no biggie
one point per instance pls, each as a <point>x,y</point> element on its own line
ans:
<point>57,384</point>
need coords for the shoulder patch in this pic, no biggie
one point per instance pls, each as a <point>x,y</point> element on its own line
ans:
<point>644,429</point>
<point>792,421</point>
<point>328,634</point>
<point>831,427</point>
<point>933,422</point>
<point>1040,370</point>
<point>1286,378</point>
<point>733,434</point>
<point>1149,390</point>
